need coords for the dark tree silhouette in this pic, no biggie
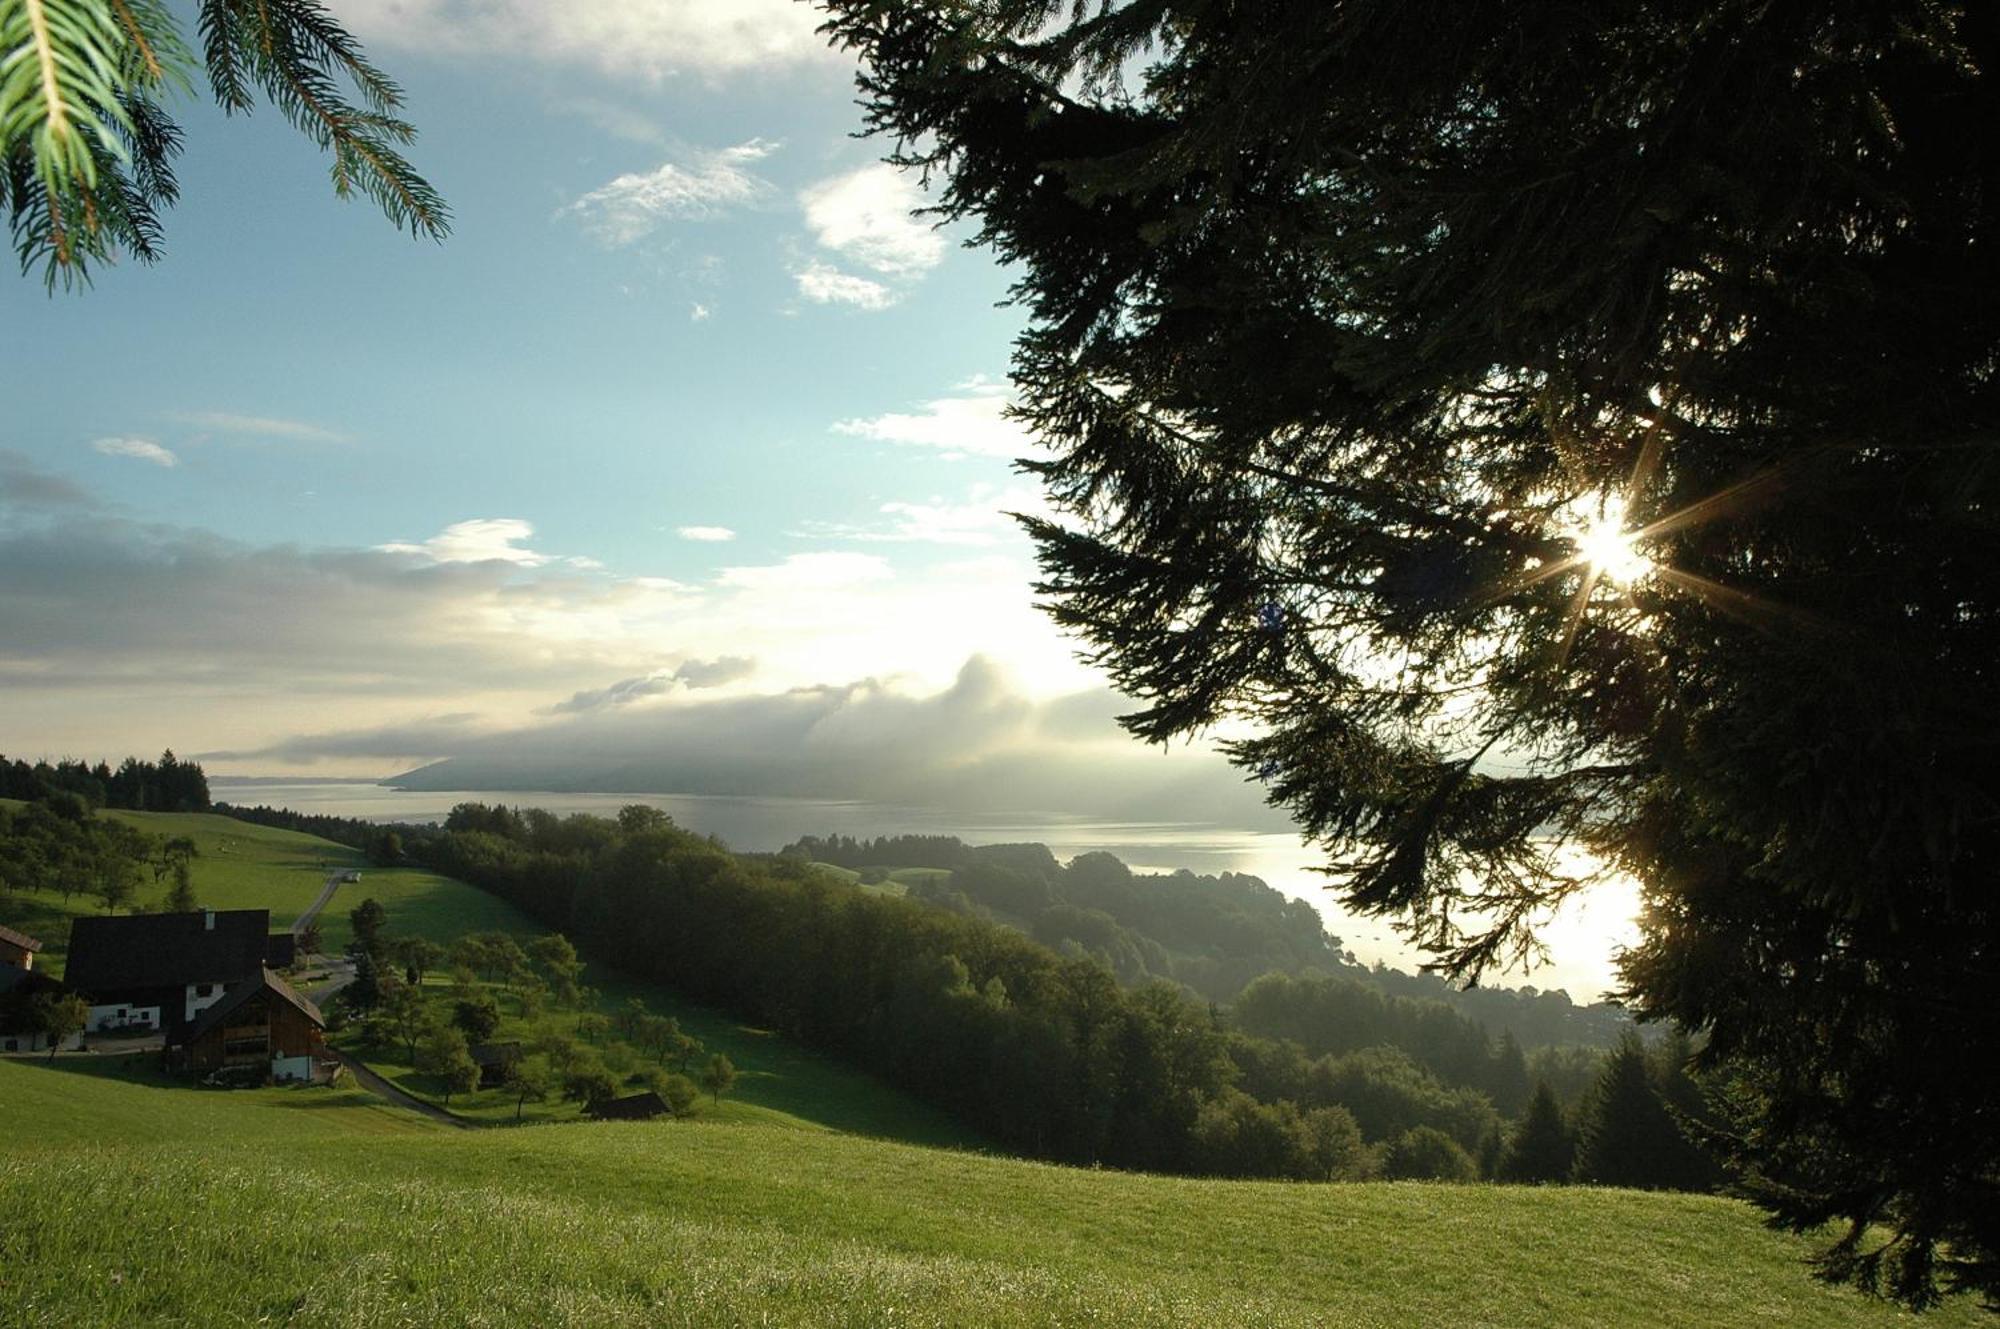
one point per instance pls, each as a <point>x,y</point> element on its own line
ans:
<point>1564,433</point>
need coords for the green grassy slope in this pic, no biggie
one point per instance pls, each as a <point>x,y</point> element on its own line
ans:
<point>133,1205</point>
<point>245,866</point>
<point>242,866</point>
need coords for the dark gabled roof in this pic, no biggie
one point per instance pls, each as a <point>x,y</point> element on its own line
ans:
<point>21,939</point>
<point>495,1054</point>
<point>236,997</point>
<point>112,952</point>
<point>632,1107</point>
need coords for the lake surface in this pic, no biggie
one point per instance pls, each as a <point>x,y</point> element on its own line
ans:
<point>1581,938</point>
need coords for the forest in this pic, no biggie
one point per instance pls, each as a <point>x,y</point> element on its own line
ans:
<point>167,785</point>
<point>1212,934</point>
<point>1052,1056</point>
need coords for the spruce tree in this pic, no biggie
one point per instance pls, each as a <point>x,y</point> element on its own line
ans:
<point>1561,436</point>
<point>87,147</point>
<point>1540,1150</point>
<point>1625,1136</point>
<point>181,898</point>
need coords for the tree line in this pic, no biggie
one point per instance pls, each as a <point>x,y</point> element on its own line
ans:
<point>1213,934</point>
<point>166,785</point>
<point>1048,1055</point>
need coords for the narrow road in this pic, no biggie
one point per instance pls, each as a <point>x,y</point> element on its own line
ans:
<point>381,1088</point>
<point>325,894</point>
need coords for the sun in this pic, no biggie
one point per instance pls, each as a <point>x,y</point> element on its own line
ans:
<point>1610,549</point>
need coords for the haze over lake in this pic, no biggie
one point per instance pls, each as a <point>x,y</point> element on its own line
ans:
<point>1582,939</point>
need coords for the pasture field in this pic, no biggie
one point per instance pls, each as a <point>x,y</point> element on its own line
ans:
<point>246,866</point>
<point>135,1204</point>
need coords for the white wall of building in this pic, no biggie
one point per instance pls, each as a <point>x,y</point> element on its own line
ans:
<point>121,1013</point>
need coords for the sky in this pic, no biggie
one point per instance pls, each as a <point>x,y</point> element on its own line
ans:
<point>688,442</point>
<point>687,403</point>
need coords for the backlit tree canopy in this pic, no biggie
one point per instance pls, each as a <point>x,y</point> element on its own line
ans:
<point>1565,434</point>
<point>87,148</point>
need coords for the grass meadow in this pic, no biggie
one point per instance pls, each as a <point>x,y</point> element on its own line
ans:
<point>131,1203</point>
<point>245,866</point>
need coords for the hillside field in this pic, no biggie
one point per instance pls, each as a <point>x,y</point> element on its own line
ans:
<point>135,1204</point>
<point>245,866</point>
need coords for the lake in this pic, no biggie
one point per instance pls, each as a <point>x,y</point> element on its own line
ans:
<point>1582,938</point>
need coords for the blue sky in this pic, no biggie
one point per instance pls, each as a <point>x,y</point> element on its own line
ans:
<point>688,441</point>
<point>680,300</point>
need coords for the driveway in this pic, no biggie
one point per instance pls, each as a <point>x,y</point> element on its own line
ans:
<point>381,1088</point>
<point>325,893</point>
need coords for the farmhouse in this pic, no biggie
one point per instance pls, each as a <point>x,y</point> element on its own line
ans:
<point>17,949</point>
<point>18,990</point>
<point>143,972</point>
<point>256,1025</point>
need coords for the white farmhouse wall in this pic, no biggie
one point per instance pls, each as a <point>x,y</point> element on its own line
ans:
<point>291,1068</point>
<point>197,1003</point>
<point>121,1013</point>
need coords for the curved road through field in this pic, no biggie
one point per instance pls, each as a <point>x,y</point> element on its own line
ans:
<point>341,975</point>
<point>381,1088</point>
<point>325,894</point>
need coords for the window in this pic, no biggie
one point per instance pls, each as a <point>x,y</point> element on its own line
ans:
<point>203,989</point>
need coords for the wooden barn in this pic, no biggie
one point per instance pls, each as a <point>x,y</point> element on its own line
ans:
<point>494,1060</point>
<point>265,1025</point>
<point>632,1107</point>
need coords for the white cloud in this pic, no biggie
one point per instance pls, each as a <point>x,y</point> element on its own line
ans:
<point>865,216</point>
<point>139,449</point>
<point>481,540</point>
<point>971,423</point>
<point>642,39</point>
<point>700,313</point>
<point>982,521</point>
<point>710,534</point>
<point>618,121</point>
<point>823,571</point>
<point>824,284</point>
<point>704,186</point>
<point>258,426</point>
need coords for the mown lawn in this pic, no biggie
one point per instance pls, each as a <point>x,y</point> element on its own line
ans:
<point>133,1205</point>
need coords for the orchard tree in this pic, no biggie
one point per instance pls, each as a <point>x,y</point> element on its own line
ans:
<point>58,1015</point>
<point>87,147</point>
<point>718,1077</point>
<point>368,919</point>
<point>529,1078</point>
<point>1560,436</point>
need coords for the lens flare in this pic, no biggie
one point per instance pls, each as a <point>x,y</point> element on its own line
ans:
<point>1610,548</point>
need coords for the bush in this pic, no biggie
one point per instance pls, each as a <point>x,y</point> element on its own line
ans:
<point>1425,1153</point>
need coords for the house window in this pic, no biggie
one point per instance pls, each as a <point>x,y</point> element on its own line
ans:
<point>203,989</point>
